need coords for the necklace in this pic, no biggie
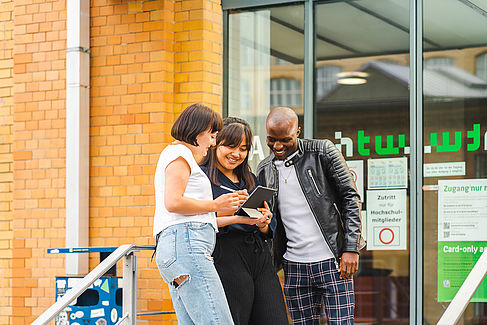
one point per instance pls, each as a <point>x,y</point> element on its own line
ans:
<point>288,174</point>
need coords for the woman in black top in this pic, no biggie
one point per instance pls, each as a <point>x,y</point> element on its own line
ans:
<point>242,257</point>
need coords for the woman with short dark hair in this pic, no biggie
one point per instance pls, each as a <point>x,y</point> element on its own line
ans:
<point>185,221</point>
<point>194,120</point>
<point>242,256</point>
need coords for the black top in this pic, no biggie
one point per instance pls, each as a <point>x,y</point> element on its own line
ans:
<point>217,191</point>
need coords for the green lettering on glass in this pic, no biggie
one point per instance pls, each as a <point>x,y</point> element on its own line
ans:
<point>402,140</point>
<point>475,135</point>
<point>389,149</point>
<point>446,146</point>
<point>362,140</point>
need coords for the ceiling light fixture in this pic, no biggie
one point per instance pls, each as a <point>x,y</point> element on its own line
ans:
<point>346,74</point>
<point>352,77</point>
<point>351,81</point>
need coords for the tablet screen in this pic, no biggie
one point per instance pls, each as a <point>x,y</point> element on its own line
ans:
<point>257,198</point>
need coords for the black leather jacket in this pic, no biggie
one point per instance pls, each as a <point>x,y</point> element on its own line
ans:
<point>330,191</point>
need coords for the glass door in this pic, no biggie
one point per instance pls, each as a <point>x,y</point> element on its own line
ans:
<point>362,105</point>
<point>455,156</point>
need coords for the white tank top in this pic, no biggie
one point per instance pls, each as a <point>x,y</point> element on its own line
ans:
<point>198,187</point>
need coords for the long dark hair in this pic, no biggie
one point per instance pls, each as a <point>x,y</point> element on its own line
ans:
<point>231,135</point>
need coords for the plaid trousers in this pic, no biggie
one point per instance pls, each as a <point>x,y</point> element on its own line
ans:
<point>307,286</point>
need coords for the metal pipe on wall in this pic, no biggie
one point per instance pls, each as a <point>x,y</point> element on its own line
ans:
<point>77,132</point>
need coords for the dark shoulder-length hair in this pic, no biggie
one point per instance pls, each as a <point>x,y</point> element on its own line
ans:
<point>195,119</point>
<point>233,131</point>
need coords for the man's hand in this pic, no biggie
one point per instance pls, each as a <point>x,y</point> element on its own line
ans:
<point>348,265</point>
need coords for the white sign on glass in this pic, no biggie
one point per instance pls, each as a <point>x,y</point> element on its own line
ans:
<point>386,220</point>
<point>444,169</point>
<point>462,209</point>
<point>387,173</point>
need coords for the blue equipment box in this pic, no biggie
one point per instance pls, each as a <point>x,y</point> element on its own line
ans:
<point>100,304</point>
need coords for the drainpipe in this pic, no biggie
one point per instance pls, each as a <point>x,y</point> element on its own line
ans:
<point>77,132</point>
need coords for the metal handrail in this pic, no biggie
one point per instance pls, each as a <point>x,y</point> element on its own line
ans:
<point>450,317</point>
<point>129,286</point>
<point>457,306</point>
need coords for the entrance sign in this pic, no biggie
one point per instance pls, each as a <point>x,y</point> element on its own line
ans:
<point>387,173</point>
<point>462,221</point>
<point>357,169</point>
<point>444,169</point>
<point>396,143</point>
<point>386,220</point>
<point>462,210</point>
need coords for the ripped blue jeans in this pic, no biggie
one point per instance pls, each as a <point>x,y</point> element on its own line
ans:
<point>183,256</point>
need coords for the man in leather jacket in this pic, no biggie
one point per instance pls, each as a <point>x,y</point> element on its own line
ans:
<point>317,208</point>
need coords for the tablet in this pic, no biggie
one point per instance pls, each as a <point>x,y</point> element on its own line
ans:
<point>256,200</point>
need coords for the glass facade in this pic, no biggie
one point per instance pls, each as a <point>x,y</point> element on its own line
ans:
<point>455,117</point>
<point>366,114</point>
<point>262,65</point>
<point>355,67</point>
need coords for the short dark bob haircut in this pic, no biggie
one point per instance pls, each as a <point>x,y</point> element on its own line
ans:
<point>195,119</point>
<point>231,135</point>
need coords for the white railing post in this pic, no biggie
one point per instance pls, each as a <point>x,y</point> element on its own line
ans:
<point>457,306</point>
<point>129,291</point>
<point>84,284</point>
<point>129,285</point>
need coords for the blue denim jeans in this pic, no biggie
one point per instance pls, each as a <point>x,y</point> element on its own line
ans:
<point>184,252</point>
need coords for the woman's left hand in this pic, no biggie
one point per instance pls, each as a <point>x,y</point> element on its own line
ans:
<point>263,222</point>
<point>242,196</point>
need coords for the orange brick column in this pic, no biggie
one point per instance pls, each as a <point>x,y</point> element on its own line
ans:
<point>39,154</point>
<point>6,160</point>
<point>150,59</point>
<point>132,111</point>
<point>198,53</point>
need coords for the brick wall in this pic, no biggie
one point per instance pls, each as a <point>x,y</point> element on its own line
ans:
<point>39,155</point>
<point>198,57</point>
<point>149,60</point>
<point>132,75</point>
<point>6,164</point>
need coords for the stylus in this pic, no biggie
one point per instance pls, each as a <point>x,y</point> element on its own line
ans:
<point>227,188</point>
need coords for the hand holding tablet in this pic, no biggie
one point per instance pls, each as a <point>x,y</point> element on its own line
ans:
<point>256,200</point>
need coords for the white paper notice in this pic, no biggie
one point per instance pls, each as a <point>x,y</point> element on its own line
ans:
<point>386,220</point>
<point>357,169</point>
<point>462,210</point>
<point>444,169</point>
<point>387,173</point>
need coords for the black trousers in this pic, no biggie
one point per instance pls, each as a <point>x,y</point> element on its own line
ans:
<point>252,288</point>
